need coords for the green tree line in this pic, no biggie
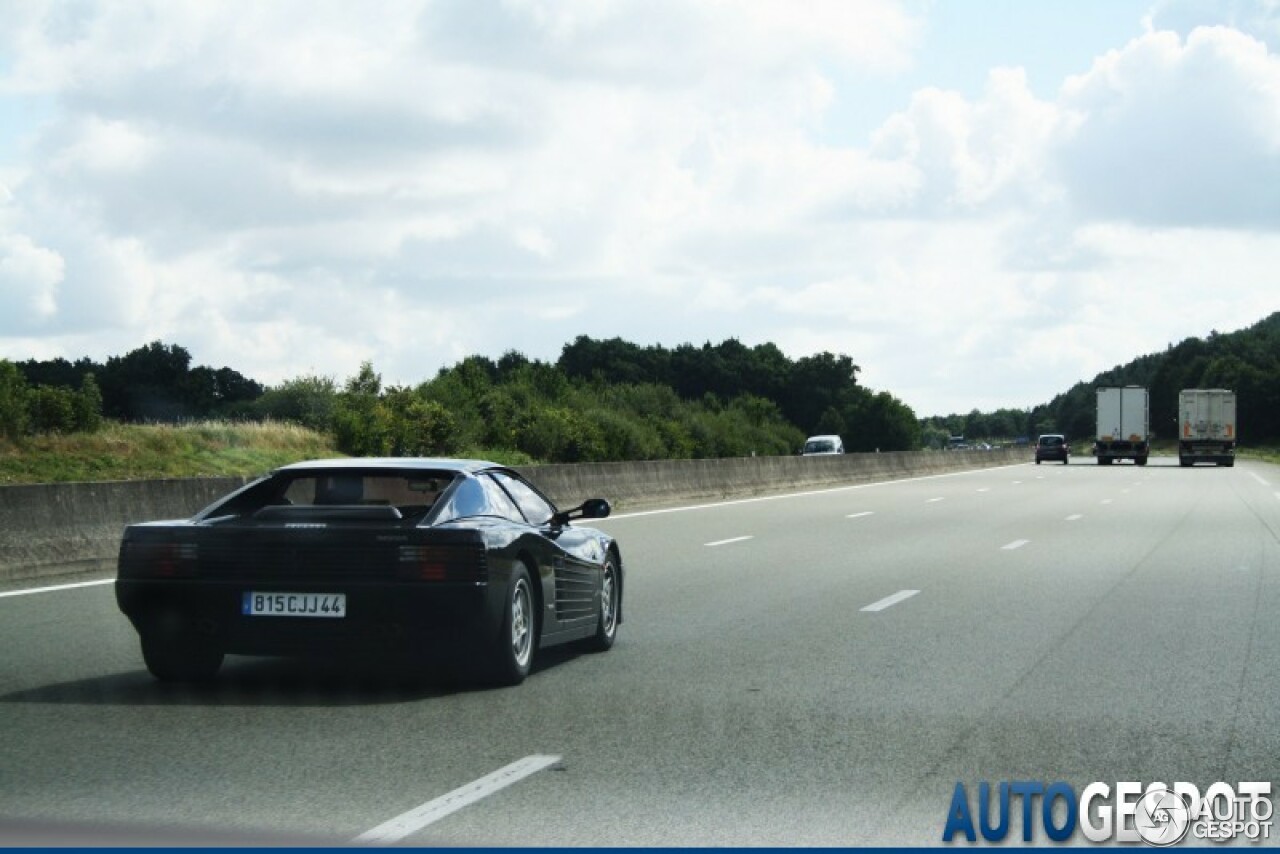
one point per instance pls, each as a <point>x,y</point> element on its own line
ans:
<point>1246,361</point>
<point>26,409</point>
<point>155,382</point>
<point>601,400</point>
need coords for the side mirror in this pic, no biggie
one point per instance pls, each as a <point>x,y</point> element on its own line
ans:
<point>592,508</point>
<point>595,508</point>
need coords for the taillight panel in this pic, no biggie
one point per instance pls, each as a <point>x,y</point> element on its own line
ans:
<point>443,563</point>
<point>160,560</point>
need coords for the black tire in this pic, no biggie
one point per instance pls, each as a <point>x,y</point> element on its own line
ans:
<point>1142,461</point>
<point>610,608</point>
<point>1037,461</point>
<point>512,655</point>
<point>174,654</point>
<point>1184,462</point>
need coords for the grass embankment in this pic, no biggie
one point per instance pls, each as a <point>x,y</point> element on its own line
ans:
<point>1267,455</point>
<point>141,451</point>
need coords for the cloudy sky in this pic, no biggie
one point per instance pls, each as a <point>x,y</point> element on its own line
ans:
<point>980,202</point>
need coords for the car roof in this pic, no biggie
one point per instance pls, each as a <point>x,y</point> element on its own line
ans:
<point>829,436</point>
<point>395,463</point>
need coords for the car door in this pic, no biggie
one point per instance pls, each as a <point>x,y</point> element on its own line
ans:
<point>571,589</point>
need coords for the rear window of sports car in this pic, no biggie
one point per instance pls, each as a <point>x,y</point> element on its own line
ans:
<point>412,493</point>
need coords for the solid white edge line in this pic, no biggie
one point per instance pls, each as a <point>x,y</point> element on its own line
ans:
<point>433,810</point>
<point>1258,478</point>
<point>726,542</point>
<point>56,587</point>
<point>1016,544</point>
<point>890,601</point>
<point>803,494</point>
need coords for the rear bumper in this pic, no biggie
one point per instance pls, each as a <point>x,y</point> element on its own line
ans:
<point>1121,449</point>
<point>1207,448</point>
<point>381,617</point>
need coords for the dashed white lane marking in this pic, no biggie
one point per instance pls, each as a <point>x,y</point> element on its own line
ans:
<point>860,515</point>
<point>1017,482</point>
<point>726,542</point>
<point>57,587</point>
<point>1258,478</point>
<point>1124,492</point>
<point>403,825</point>
<point>1074,516</point>
<point>934,500</point>
<point>890,601</point>
<point>1106,501</point>
<point>984,489</point>
<point>1016,544</point>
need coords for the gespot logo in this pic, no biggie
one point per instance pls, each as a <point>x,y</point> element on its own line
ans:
<point>1156,814</point>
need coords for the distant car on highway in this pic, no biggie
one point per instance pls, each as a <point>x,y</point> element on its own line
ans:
<point>372,557</point>
<point>1052,446</point>
<point>820,445</point>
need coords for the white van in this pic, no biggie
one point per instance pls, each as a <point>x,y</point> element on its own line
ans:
<point>819,445</point>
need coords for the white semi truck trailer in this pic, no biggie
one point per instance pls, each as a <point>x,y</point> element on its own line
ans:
<point>1124,423</point>
<point>1207,426</point>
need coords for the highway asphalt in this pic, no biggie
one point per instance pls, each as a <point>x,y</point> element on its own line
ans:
<point>820,668</point>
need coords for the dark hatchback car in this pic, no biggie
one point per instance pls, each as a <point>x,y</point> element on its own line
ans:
<point>1052,446</point>
<point>460,559</point>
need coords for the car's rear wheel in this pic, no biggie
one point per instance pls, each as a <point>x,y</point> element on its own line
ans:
<point>512,656</point>
<point>175,654</point>
<point>1142,461</point>
<point>610,602</point>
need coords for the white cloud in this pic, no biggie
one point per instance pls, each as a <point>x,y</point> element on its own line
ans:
<point>288,189</point>
<point>971,155</point>
<point>1257,18</point>
<point>1175,132</point>
<point>29,279</point>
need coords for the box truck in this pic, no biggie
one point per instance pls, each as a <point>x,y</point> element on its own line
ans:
<point>1207,426</point>
<point>1123,425</point>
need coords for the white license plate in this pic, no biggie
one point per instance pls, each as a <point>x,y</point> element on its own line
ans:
<point>255,604</point>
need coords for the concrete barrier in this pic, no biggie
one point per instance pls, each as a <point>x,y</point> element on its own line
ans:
<point>63,528</point>
<point>654,483</point>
